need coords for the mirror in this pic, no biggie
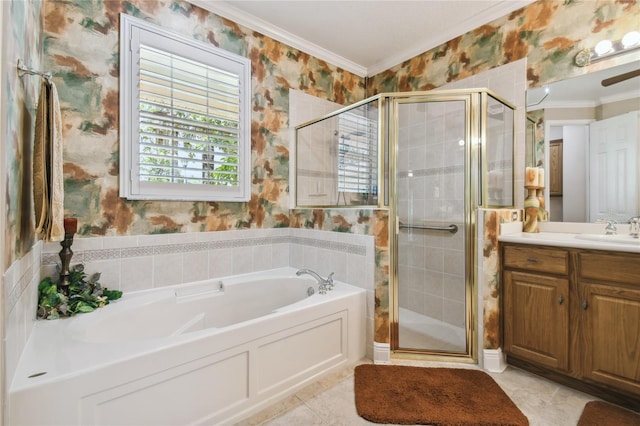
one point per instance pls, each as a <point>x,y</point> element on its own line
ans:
<point>587,138</point>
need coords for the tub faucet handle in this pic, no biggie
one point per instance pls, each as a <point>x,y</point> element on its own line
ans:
<point>329,281</point>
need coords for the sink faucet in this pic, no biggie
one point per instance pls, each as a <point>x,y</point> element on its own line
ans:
<point>323,284</point>
<point>634,227</point>
<point>611,228</point>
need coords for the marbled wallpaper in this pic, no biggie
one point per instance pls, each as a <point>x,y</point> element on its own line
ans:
<point>547,32</point>
<point>491,274</point>
<point>22,39</point>
<point>538,151</point>
<point>82,50</point>
<point>81,47</point>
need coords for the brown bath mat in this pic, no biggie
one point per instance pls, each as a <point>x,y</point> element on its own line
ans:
<point>433,396</point>
<point>599,413</point>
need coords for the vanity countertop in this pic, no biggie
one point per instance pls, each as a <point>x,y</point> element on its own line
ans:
<point>620,242</point>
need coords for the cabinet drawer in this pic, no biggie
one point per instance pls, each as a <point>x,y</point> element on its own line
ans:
<point>537,259</point>
<point>615,267</point>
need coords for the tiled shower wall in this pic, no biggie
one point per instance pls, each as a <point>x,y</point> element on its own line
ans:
<point>133,263</point>
<point>431,191</point>
<point>510,82</point>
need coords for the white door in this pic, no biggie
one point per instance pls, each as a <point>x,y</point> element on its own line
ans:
<point>575,182</point>
<point>613,187</point>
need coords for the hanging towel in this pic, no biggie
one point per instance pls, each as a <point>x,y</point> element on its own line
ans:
<point>48,185</point>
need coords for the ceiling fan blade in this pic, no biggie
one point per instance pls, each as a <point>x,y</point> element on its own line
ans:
<point>620,77</point>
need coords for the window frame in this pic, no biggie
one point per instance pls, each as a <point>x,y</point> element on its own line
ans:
<point>133,32</point>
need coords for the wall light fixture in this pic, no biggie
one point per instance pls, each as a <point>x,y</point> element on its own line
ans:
<point>607,48</point>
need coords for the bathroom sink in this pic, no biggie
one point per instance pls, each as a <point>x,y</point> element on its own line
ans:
<point>614,239</point>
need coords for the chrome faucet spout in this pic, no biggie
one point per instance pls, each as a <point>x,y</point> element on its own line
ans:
<point>310,272</point>
<point>323,284</point>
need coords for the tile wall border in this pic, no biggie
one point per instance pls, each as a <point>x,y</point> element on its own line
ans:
<point>50,253</point>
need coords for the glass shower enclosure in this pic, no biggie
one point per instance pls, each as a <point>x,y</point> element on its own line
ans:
<point>432,159</point>
<point>337,158</point>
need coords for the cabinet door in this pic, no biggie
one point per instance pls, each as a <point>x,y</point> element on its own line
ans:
<point>536,320</point>
<point>555,167</point>
<point>611,346</point>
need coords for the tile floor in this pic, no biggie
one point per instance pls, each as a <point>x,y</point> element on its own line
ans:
<point>330,401</point>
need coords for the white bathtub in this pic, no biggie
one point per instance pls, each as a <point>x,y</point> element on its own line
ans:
<point>209,352</point>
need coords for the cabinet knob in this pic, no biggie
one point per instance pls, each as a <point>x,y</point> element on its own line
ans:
<point>585,305</point>
<point>560,300</point>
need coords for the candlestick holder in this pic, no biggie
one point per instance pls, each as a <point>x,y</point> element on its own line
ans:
<point>531,210</point>
<point>65,257</point>
<point>542,212</point>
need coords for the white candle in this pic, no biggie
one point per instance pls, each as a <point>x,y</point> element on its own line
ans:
<point>531,176</point>
<point>540,177</point>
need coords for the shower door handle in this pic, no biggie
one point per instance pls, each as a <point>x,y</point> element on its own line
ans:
<point>451,228</point>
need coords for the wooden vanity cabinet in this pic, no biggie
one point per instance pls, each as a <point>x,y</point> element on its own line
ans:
<point>609,286</point>
<point>573,316</point>
<point>536,313</point>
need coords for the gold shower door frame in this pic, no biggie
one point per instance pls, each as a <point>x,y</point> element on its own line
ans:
<point>472,167</point>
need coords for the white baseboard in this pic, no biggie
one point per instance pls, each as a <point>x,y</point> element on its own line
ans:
<point>494,360</point>
<point>381,353</point>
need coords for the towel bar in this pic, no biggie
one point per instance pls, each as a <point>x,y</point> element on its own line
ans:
<point>451,228</point>
<point>23,69</point>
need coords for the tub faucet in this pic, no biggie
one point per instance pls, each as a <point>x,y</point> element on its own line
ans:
<point>323,284</point>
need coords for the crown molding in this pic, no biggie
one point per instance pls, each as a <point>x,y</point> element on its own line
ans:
<point>496,11</point>
<point>566,105</point>
<point>620,97</point>
<point>228,11</point>
<point>238,16</point>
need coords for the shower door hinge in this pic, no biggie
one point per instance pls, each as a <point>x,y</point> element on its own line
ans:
<point>397,225</point>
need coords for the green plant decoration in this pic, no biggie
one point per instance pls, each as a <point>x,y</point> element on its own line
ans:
<point>85,295</point>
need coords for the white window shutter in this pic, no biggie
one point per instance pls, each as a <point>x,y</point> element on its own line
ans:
<point>186,135</point>
<point>357,153</point>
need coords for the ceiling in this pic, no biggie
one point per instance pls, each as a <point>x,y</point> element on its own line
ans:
<point>369,36</point>
<point>364,37</point>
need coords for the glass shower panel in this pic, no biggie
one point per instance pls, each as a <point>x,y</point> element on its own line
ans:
<point>432,311</point>
<point>337,159</point>
<point>316,163</point>
<point>499,154</point>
